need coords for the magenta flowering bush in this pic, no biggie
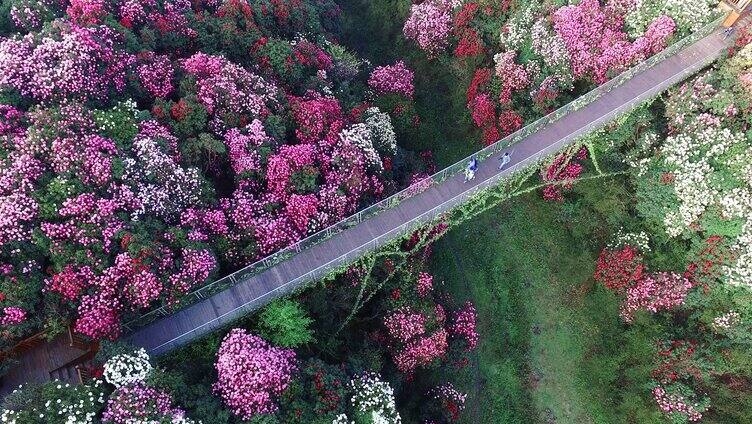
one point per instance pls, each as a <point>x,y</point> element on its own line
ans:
<point>464,325</point>
<point>597,43</point>
<point>155,73</point>
<point>12,315</point>
<point>430,25</point>
<point>252,374</point>
<point>396,78</point>
<point>424,285</point>
<point>655,292</point>
<point>422,351</point>
<point>225,88</point>
<point>64,62</point>
<point>138,402</point>
<point>403,325</point>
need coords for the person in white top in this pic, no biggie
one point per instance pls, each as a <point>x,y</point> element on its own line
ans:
<point>505,159</point>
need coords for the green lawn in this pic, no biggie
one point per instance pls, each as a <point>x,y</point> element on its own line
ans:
<point>527,265</point>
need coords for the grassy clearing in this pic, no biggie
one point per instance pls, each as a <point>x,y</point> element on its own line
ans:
<point>552,346</point>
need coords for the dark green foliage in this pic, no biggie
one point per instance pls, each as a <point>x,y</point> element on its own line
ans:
<point>6,23</point>
<point>317,396</point>
<point>203,151</point>
<point>109,349</point>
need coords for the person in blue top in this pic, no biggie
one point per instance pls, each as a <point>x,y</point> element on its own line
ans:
<point>472,166</point>
<point>727,33</point>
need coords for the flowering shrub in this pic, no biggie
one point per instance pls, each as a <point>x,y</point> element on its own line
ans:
<point>70,62</point>
<point>654,293</point>
<point>639,240</point>
<point>678,402</point>
<point>384,139</point>
<point>403,325</point>
<point>225,88</point>
<point>562,172</point>
<point>596,43</point>
<point>688,15</point>
<point>251,373</point>
<point>429,25</point>
<point>396,78</point>
<point>321,392</point>
<point>677,368</point>
<point>424,285</point>
<point>463,325</point>
<point>54,403</point>
<point>619,269</point>
<point>155,72</point>
<point>452,400</point>
<point>31,14</point>
<point>12,315</point>
<point>138,402</point>
<point>124,369</point>
<point>421,351</point>
<point>374,398</point>
<point>511,75</point>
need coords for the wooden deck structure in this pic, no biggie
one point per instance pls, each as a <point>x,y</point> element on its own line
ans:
<point>735,9</point>
<point>52,360</point>
<point>63,358</point>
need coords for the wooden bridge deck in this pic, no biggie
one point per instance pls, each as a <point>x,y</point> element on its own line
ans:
<point>224,307</point>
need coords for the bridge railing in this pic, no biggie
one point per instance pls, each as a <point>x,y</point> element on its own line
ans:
<point>397,198</point>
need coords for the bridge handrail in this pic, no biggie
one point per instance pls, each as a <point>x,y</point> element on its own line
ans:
<point>395,199</point>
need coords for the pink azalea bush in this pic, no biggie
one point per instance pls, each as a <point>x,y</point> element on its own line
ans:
<point>72,62</point>
<point>224,87</point>
<point>422,351</point>
<point>429,25</point>
<point>597,43</point>
<point>396,78</point>
<point>12,316</point>
<point>138,402</point>
<point>251,373</point>
<point>155,72</point>
<point>416,339</point>
<point>655,292</point>
<point>403,325</point>
<point>464,324</point>
<point>424,285</point>
<point>513,76</point>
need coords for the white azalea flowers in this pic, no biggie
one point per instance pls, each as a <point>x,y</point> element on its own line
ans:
<point>375,396</point>
<point>126,368</point>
